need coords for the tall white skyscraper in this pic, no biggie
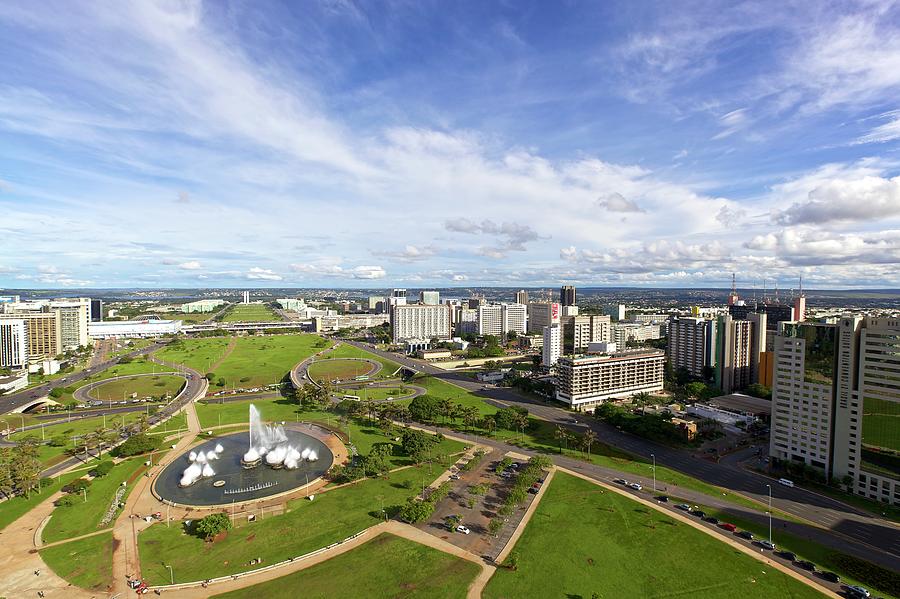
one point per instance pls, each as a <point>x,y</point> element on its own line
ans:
<point>552,345</point>
<point>13,343</point>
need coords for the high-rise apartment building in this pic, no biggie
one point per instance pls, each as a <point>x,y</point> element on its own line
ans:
<point>466,320</point>
<point>552,348</point>
<point>43,334</point>
<point>734,353</point>
<point>580,331</point>
<point>418,321</point>
<point>616,312</point>
<point>542,314</point>
<point>74,316</point>
<point>515,318</point>
<point>490,319</point>
<point>430,298</point>
<point>692,345</point>
<point>567,295</point>
<point>584,382</point>
<point>623,332</point>
<point>522,297</point>
<point>13,343</point>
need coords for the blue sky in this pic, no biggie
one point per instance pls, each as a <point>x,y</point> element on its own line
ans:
<point>436,143</point>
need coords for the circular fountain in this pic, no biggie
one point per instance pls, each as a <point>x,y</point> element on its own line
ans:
<point>268,460</point>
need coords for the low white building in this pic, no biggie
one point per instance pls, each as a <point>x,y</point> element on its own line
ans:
<point>14,382</point>
<point>133,328</point>
<point>720,414</point>
<point>202,306</point>
<point>291,303</point>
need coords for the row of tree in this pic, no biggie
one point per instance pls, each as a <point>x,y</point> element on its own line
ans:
<point>20,468</point>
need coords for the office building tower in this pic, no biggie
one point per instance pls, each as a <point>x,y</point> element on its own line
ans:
<point>398,293</point>
<point>417,321</point>
<point>431,298</point>
<point>43,334</point>
<point>490,319</point>
<point>569,311</point>
<point>522,297</point>
<point>760,358</point>
<point>515,318</point>
<point>800,308</point>
<point>584,382</point>
<point>616,312</point>
<point>246,297</point>
<point>542,314</point>
<point>552,348</point>
<point>287,303</point>
<point>13,343</point>
<point>803,394</point>
<point>734,343</point>
<point>567,295</point>
<point>580,331</point>
<point>692,346</point>
<point>96,310</point>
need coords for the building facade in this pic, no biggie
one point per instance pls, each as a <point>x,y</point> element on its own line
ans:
<point>133,328</point>
<point>522,297</point>
<point>584,382</point>
<point>692,345</point>
<point>623,332</point>
<point>13,343</point>
<point>542,314</point>
<point>552,347</point>
<point>490,319</point>
<point>417,321</point>
<point>430,298</point>
<point>580,331</point>
<point>567,295</point>
<point>96,310</point>
<point>734,345</point>
<point>43,334</point>
<point>515,318</point>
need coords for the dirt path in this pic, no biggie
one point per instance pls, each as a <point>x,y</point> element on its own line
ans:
<point>64,541</point>
<point>232,343</point>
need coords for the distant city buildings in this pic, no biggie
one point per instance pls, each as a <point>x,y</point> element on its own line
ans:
<point>542,314</point>
<point>522,297</point>
<point>567,295</point>
<point>133,328</point>
<point>616,312</point>
<point>430,298</point>
<point>584,382</point>
<point>292,303</point>
<point>580,331</point>
<point>246,297</point>
<point>638,332</point>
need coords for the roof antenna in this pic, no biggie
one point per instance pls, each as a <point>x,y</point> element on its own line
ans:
<point>801,285</point>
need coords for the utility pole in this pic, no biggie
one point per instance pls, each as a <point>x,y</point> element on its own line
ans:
<point>654,471</point>
<point>770,512</point>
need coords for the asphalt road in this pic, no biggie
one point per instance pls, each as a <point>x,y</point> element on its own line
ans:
<point>849,526</point>
<point>17,400</point>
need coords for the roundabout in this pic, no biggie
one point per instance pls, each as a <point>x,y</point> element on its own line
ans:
<point>341,369</point>
<point>112,388</point>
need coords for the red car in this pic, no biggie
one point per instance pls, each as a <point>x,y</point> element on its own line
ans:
<point>728,526</point>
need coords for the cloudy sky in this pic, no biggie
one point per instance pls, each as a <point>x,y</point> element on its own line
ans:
<point>440,143</point>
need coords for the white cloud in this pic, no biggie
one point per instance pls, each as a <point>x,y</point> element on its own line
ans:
<point>190,265</point>
<point>333,269</point>
<point>616,202</point>
<point>808,246</point>
<point>838,199</point>
<point>511,236</point>
<point>410,253</point>
<point>264,274</point>
<point>885,132</point>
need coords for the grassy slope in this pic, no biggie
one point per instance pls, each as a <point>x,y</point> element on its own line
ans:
<point>16,507</point>
<point>198,354</point>
<point>389,565</point>
<point>86,563</point>
<point>329,370</point>
<point>144,386</point>
<point>617,548</point>
<point>250,313</point>
<point>265,360</point>
<point>309,525</point>
<point>84,517</point>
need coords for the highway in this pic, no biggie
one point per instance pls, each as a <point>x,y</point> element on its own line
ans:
<point>852,525</point>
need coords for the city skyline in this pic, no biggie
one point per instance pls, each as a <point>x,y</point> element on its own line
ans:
<point>334,145</point>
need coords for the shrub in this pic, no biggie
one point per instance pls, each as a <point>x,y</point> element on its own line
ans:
<point>67,501</point>
<point>135,445</point>
<point>76,486</point>
<point>867,572</point>
<point>101,469</point>
<point>209,526</point>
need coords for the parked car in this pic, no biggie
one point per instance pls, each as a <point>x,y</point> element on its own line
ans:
<point>711,519</point>
<point>463,529</point>
<point>788,555</point>
<point>746,534</point>
<point>786,482</point>
<point>683,507</point>
<point>767,545</point>
<point>663,498</point>
<point>636,486</point>
<point>806,565</point>
<point>830,576</point>
<point>454,477</point>
<point>698,513</point>
<point>728,526</point>
<point>855,591</point>
<point>620,481</point>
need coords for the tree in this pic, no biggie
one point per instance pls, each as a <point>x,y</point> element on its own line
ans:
<point>25,467</point>
<point>415,511</point>
<point>101,469</point>
<point>379,455</point>
<point>417,444</point>
<point>588,439</point>
<point>423,408</point>
<point>561,435</point>
<point>489,424</point>
<point>470,416</point>
<point>209,526</point>
<point>137,444</point>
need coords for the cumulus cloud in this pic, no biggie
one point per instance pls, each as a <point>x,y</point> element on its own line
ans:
<point>809,246</point>
<point>410,253</point>
<point>616,202</point>
<point>264,274</point>
<point>332,269</point>
<point>190,265</point>
<point>730,216</point>
<point>511,236</point>
<point>863,198</point>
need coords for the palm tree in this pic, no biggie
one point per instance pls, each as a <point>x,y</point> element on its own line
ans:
<point>521,422</point>
<point>470,416</point>
<point>643,398</point>
<point>489,425</point>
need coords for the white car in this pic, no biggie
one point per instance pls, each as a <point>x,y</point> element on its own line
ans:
<point>463,529</point>
<point>636,486</point>
<point>454,477</point>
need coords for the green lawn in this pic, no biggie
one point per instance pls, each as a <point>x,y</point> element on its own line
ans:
<point>86,563</point>
<point>155,386</point>
<point>390,566</point>
<point>85,516</point>
<point>213,413</point>
<point>250,313</point>
<point>364,392</point>
<point>264,360</point>
<point>345,350</point>
<point>338,369</point>
<point>16,507</point>
<point>138,366</point>
<point>615,547</point>
<point>309,525</point>
<point>175,423</point>
<point>199,354</point>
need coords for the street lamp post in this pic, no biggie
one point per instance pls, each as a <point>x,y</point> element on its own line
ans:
<point>770,512</point>
<point>654,471</point>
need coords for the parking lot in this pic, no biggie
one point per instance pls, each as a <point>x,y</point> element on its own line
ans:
<point>477,510</point>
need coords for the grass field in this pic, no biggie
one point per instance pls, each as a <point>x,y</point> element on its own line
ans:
<point>345,350</point>
<point>138,366</point>
<point>615,547</point>
<point>338,369</point>
<point>145,386</point>
<point>364,392</point>
<point>86,563</point>
<point>309,525</point>
<point>16,507</point>
<point>84,517</point>
<point>198,354</point>
<point>258,361</point>
<point>250,313</point>
<point>390,566</point>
